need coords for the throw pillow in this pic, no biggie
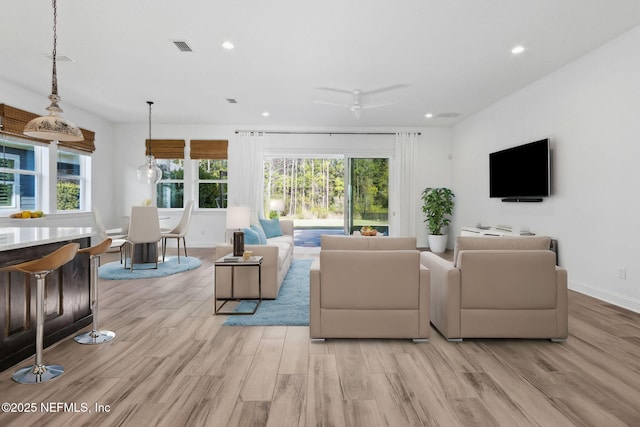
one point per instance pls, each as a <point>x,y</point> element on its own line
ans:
<point>250,237</point>
<point>261,236</point>
<point>271,227</point>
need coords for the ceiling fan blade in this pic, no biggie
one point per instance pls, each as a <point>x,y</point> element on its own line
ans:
<point>331,89</point>
<point>332,103</point>
<point>366,107</point>
<point>384,89</point>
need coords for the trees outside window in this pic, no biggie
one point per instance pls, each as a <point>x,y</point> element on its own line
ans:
<point>212,183</point>
<point>170,189</point>
<point>69,185</point>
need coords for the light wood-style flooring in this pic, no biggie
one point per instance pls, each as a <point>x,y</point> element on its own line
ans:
<point>173,364</point>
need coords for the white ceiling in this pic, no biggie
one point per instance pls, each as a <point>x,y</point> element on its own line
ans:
<point>452,56</point>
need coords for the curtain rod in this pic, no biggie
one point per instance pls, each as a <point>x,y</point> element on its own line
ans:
<point>321,133</point>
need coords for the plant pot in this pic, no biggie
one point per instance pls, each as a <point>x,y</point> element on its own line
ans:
<point>437,243</point>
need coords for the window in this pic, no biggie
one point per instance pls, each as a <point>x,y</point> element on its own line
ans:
<point>211,158</point>
<point>18,176</point>
<point>212,183</point>
<point>170,189</point>
<point>169,154</point>
<point>70,184</point>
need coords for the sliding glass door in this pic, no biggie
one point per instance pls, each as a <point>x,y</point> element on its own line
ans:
<point>367,197</point>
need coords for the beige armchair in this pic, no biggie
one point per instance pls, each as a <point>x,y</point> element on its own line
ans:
<point>369,287</point>
<point>498,287</point>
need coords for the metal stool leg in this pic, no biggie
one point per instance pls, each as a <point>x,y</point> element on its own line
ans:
<point>39,372</point>
<point>94,336</point>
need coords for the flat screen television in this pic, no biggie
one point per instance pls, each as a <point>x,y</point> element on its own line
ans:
<point>521,173</point>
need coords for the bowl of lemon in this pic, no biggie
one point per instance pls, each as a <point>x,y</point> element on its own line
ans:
<point>27,215</point>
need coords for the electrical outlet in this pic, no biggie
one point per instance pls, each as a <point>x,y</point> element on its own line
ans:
<point>622,273</point>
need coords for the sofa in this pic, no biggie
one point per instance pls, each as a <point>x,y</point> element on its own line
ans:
<point>498,287</point>
<point>277,254</point>
<point>369,287</point>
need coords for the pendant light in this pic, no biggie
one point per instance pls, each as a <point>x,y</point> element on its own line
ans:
<point>149,172</point>
<point>53,127</point>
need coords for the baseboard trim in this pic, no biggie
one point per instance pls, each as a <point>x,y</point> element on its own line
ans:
<point>623,301</point>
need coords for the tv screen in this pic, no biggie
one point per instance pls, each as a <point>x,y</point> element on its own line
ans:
<point>520,173</point>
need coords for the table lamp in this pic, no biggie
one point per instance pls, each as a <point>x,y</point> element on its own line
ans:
<point>238,217</point>
<point>276,205</point>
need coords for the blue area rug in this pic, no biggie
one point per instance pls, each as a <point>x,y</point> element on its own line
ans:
<point>116,271</point>
<point>290,308</point>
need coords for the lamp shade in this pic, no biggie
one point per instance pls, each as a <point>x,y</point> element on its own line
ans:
<point>238,217</point>
<point>149,172</point>
<point>53,127</point>
<point>276,205</point>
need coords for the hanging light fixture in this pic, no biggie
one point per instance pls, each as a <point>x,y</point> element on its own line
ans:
<point>53,127</point>
<point>149,172</point>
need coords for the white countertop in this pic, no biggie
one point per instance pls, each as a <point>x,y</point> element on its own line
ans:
<point>24,237</point>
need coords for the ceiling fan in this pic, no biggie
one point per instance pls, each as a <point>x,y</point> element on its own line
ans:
<point>357,105</point>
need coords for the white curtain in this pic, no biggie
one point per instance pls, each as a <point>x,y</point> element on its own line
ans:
<point>405,194</point>
<point>251,148</point>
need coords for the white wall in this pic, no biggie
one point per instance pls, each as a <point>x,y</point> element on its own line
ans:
<point>591,111</point>
<point>207,227</point>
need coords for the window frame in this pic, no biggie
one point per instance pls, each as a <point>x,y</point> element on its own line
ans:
<point>198,181</point>
<point>37,173</point>
<point>84,179</point>
<point>172,181</point>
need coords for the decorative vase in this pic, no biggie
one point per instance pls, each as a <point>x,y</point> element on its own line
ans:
<point>437,243</point>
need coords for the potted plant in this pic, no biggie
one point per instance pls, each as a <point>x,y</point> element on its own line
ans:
<point>437,204</point>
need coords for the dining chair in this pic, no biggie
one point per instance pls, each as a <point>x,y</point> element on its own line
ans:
<point>144,229</point>
<point>179,231</point>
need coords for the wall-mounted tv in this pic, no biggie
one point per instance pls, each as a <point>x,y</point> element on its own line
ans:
<point>521,173</point>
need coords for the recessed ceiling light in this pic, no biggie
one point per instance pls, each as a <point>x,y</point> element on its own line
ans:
<point>517,50</point>
<point>265,114</point>
<point>227,45</point>
<point>428,115</point>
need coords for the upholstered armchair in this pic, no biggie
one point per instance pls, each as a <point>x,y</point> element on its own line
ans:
<point>369,287</point>
<point>498,287</point>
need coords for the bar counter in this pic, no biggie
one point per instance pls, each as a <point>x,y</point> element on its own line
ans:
<point>67,296</point>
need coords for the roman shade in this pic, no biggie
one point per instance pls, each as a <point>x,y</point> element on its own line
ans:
<point>209,149</point>
<point>166,148</point>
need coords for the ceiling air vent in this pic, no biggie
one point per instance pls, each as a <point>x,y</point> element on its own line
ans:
<point>231,101</point>
<point>182,45</point>
<point>448,115</point>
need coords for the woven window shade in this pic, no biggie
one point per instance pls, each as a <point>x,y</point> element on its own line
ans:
<point>209,149</point>
<point>166,148</point>
<point>14,120</point>
<point>87,144</point>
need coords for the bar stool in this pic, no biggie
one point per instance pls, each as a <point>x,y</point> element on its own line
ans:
<point>95,336</point>
<point>39,372</point>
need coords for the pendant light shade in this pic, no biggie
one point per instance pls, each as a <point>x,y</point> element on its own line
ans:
<point>53,127</point>
<point>149,172</point>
